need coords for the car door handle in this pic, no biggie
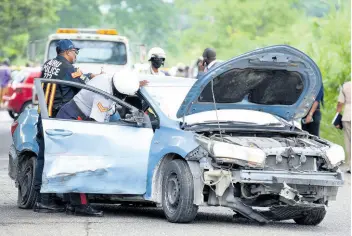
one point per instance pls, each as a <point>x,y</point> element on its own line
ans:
<point>58,132</point>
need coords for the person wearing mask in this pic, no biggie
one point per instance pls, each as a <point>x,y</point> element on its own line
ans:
<point>157,57</point>
<point>209,61</point>
<point>5,76</point>
<point>344,103</point>
<point>60,68</point>
<point>311,123</point>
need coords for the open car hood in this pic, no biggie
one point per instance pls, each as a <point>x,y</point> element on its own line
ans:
<point>280,80</point>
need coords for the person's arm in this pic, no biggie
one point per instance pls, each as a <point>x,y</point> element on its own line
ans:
<point>100,108</point>
<point>339,107</point>
<point>311,112</point>
<point>340,104</point>
<point>315,105</point>
<point>201,69</point>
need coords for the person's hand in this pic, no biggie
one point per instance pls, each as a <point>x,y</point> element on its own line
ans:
<point>143,83</point>
<point>337,126</point>
<point>309,119</point>
<point>201,67</point>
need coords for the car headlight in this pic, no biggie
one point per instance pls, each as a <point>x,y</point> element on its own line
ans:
<point>335,155</point>
<point>232,153</point>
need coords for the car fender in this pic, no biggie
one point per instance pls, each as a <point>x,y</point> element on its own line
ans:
<point>169,144</point>
<point>24,137</point>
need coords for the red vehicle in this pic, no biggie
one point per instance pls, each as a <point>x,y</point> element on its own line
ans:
<point>19,91</point>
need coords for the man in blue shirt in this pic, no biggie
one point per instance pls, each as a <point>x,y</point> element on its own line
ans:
<point>311,123</point>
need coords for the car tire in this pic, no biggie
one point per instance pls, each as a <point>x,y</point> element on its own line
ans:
<point>12,114</point>
<point>312,218</point>
<point>25,106</point>
<point>26,196</point>
<point>178,193</point>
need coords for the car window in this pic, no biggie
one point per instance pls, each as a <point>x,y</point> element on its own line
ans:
<point>86,106</point>
<point>96,52</point>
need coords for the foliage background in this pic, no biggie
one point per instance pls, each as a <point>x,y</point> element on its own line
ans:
<point>320,28</point>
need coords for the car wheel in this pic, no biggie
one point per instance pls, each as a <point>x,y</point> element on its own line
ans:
<point>26,195</point>
<point>312,218</point>
<point>12,114</point>
<point>26,106</point>
<point>177,193</point>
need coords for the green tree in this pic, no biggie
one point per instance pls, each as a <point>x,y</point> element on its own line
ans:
<point>149,22</point>
<point>19,17</point>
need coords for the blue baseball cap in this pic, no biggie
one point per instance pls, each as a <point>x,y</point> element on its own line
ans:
<point>64,45</point>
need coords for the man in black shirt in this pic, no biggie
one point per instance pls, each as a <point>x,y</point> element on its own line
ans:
<point>58,68</point>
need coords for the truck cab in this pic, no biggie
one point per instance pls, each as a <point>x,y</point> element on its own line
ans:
<point>100,49</point>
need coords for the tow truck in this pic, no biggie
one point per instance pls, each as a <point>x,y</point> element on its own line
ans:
<point>101,49</point>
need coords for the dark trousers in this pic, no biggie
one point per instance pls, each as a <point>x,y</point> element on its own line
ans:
<point>68,111</point>
<point>40,158</point>
<point>313,127</point>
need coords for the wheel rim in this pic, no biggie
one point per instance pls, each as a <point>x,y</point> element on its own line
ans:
<point>25,183</point>
<point>173,191</point>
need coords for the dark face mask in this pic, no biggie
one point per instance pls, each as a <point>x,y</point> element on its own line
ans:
<point>157,62</point>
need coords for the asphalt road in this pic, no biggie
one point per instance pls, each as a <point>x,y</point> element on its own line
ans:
<point>150,221</point>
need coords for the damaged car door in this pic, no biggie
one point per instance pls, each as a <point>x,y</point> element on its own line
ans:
<point>93,157</point>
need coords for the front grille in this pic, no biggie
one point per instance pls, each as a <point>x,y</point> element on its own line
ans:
<point>293,164</point>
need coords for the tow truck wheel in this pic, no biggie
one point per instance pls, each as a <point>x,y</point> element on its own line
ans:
<point>177,193</point>
<point>26,195</point>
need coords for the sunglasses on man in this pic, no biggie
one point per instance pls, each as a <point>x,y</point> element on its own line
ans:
<point>75,51</point>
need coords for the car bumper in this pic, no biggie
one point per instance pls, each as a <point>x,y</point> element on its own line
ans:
<point>333,179</point>
<point>14,103</point>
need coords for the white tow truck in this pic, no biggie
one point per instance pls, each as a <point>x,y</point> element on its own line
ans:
<point>100,49</point>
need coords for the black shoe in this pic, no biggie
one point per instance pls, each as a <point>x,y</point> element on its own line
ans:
<point>83,210</point>
<point>46,204</point>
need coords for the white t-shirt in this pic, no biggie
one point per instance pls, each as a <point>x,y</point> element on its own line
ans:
<point>92,104</point>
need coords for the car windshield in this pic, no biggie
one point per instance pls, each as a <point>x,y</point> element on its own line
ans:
<point>96,52</point>
<point>170,98</point>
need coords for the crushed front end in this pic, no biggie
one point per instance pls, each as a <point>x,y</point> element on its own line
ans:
<point>265,177</point>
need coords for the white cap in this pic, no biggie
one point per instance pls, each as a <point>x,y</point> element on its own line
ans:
<point>156,52</point>
<point>181,66</point>
<point>126,82</point>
